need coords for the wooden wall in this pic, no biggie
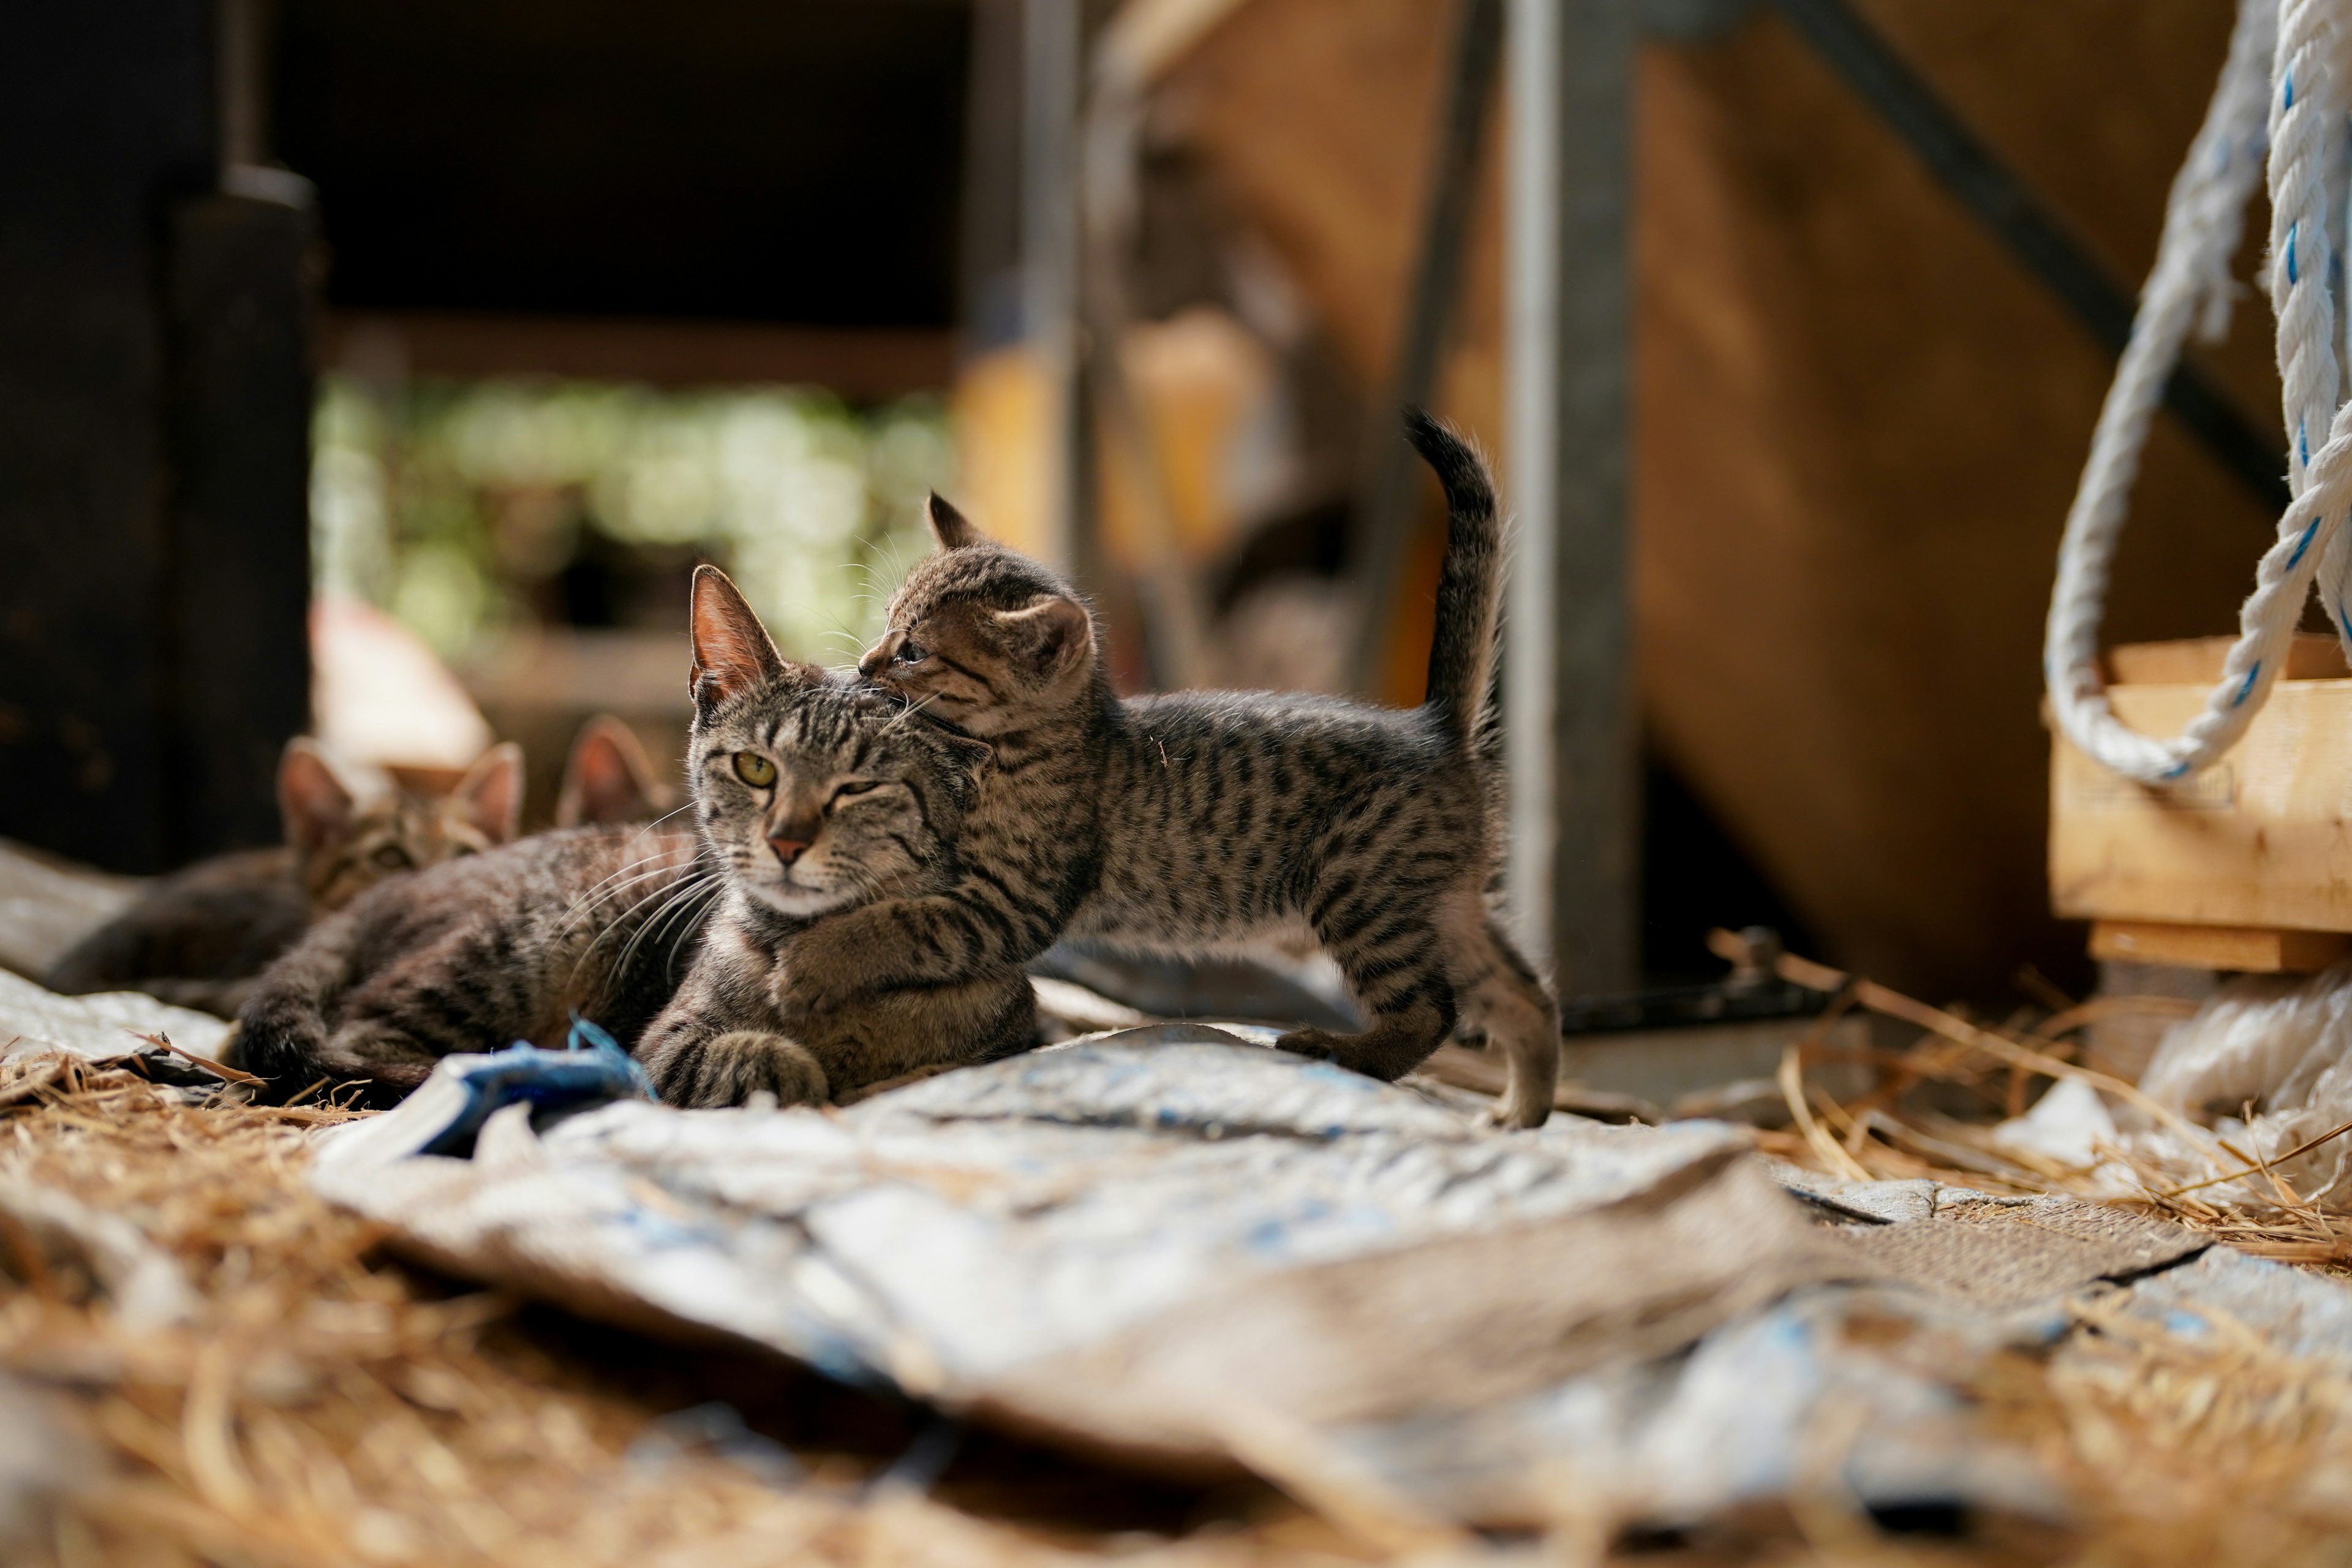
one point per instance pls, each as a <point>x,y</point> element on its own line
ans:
<point>1859,422</point>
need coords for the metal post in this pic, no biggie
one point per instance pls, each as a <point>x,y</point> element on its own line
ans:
<point>1570,720</point>
<point>1052,33</point>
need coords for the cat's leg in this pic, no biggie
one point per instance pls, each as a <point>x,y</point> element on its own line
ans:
<point>388,1060</point>
<point>891,1033</point>
<point>1501,994</point>
<point>716,1044</point>
<point>730,1068</point>
<point>947,939</point>
<point>1384,936</point>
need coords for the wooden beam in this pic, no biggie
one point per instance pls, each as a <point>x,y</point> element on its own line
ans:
<point>236,666</point>
<point>859,364</point>
<point>2249,950</point>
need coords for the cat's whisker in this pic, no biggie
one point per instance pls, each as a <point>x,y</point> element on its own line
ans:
<point>677,898</point>
<point>692,924</point>
<point>613,887</point>
<point>697,879</point>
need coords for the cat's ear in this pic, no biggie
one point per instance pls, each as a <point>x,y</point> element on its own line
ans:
<point>731,649</point>
<point>608,778</point>
<point>1051,634</point>
<point>951,528</point>
<point>490,794</point>
<point>311,796</point>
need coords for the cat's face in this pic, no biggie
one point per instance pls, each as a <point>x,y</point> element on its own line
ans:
<point>346,846</point>
<point>982,637</point>
<point>817,794</point>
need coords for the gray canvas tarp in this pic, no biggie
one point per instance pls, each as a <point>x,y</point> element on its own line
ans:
<point>1193,1253</point>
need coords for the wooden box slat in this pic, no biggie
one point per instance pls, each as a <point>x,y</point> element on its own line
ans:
<point>2262,838</point>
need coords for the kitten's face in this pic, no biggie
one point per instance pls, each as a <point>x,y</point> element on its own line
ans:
<point>816,794</point>
<point>981,637</point>
<point>347,846</point>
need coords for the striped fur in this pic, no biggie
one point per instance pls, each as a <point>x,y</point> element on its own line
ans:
<point>674,938</point>
<point>857,818</point>
<point>1202,822</point>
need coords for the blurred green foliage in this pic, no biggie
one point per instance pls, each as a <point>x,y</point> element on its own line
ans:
<point>469,508</point>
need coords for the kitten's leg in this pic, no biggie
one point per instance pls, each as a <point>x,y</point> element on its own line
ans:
<point>388,1060</point>
<point>697,1053</point>
<point>730,1068</point>
<point>1501,992</point>
<point>945,939</point>
<point>891,1033</point>
<point>1386,942</point>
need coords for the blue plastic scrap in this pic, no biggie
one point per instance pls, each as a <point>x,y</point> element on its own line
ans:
<point>591,1070</point>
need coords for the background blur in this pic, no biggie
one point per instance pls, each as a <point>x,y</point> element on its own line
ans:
<point>497,317</point>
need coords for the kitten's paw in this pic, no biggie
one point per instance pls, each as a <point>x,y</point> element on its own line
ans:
<point>1321,1045</point>
<point>1510,1115</point>
<point>731,1069</point>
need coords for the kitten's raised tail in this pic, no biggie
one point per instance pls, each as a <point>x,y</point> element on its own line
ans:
<point>1469,583</point>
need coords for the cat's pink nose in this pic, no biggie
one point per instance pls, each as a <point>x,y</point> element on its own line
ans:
<point>788,849</point>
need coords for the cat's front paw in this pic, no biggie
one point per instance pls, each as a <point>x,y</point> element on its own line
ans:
<point>732,1067</point>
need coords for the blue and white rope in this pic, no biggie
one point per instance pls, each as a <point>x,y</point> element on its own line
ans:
<point>2293,45</point>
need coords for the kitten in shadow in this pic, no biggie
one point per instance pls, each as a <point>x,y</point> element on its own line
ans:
<point>199,936</point>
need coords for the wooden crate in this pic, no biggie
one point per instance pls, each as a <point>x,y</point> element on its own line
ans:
<point>2246,867</point>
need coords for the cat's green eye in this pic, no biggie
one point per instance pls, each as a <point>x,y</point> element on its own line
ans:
<point>754,769</point>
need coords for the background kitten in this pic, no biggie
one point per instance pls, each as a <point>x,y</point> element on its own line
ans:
<point>813,794</point>
<point>1203,821</point>
<point>477,954</point>
<point>199,936</point>
<point>817,798</point>
<point>608,778</point>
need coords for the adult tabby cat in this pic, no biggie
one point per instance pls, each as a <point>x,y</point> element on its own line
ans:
<point>811,795</point>
<point>1193,822</point>
<point>199,936</point>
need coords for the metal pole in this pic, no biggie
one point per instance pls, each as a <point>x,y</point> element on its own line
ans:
<point>1569,718</point>
<point>1052,43</point>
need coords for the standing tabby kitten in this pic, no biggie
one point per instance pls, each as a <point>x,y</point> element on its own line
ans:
<point>811,793</point>
<point>1196,822</point>
<point>199,936</point>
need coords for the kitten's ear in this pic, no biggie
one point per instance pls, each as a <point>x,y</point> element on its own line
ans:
<point>608,777</point>
<point>731,649</point>
<point>311,797</point>
<point>951,528</point>
<point>1051,634</point>
<point>491,792</point>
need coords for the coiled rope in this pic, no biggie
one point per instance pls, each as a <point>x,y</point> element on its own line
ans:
<point>2278,89</point>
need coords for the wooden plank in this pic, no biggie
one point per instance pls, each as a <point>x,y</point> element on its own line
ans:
<point>855,362</point>
<point>2260,839</point>
<point>2312,656</point>
<point>99,130</point>
<point>2250,950</point>
<point>236,585</point>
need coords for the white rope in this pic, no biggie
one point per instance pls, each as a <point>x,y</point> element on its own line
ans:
<point>2306,162</point>
<point>2292,44</point>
